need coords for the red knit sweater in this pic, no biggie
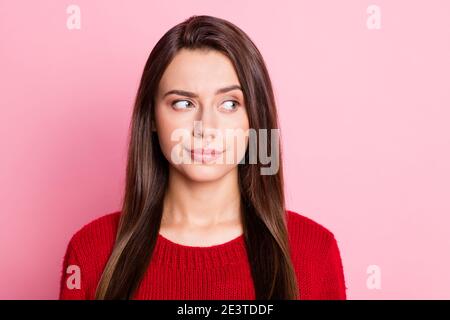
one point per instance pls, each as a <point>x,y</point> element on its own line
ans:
<point>216,272</point>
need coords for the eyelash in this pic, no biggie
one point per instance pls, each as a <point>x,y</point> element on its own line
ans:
<point>176,101</point>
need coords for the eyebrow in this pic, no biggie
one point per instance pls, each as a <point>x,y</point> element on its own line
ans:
<point>194,95</point>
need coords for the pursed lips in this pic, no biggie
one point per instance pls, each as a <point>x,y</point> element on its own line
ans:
<point>201,151</point>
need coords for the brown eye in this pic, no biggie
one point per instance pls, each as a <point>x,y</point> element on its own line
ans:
<point>182,104</point>
<point>230,105</point>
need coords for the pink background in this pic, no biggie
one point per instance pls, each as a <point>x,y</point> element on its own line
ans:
<point>364,113</point>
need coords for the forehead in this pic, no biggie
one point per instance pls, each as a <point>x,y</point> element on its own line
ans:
<point>198,71</point>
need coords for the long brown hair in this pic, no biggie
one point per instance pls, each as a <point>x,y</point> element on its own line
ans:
<point>263,211</point>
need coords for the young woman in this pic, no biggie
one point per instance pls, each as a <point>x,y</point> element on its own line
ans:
<point>203,229</point>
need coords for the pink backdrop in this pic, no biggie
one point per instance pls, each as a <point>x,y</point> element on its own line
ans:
<point>364,113</point>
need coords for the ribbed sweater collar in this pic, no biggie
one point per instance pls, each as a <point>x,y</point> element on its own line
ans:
<point>171,254</point>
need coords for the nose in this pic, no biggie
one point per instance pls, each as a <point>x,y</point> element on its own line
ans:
<point>204,125</point>
<point>202,132</point>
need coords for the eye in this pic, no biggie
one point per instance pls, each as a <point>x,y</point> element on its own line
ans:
<point>182,104</point>
<point>228,105</point>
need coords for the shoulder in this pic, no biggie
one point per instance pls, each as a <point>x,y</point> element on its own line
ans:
<point>316,258</point>
<point>307,235</point>
<point>298,222</point>
<point>105,225</point>
<point>89,249</point>
<point>97,235</point>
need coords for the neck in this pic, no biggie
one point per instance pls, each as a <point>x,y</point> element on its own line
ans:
<point>201,203</point>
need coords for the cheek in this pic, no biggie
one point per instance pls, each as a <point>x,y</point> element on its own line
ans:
<point>236,135</point>
<point>242,120</point>
<point>168,127</point>
<point>239,120</point>
<point>174,133</point>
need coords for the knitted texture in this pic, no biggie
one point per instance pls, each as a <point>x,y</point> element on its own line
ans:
<point>220,271</point>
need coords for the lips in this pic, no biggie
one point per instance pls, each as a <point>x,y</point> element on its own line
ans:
<point>206,151</point>
<point>205,155</point>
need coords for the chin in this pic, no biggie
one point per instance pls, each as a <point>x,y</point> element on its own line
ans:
<point>205,172</point>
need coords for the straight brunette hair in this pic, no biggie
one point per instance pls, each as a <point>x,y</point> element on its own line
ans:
<point>263,212</point>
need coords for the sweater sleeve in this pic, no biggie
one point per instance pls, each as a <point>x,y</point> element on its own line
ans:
<point>333,280</point>
<point>71,285</point>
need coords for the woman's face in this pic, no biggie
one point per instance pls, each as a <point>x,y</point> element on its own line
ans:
<point>200,115</point>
